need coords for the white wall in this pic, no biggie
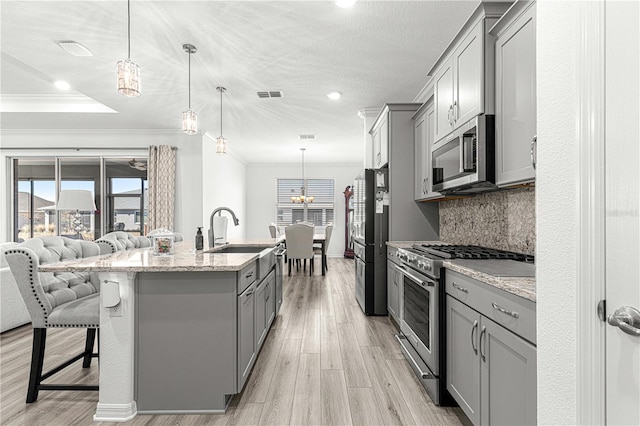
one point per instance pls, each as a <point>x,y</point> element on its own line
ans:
<point>224,184</point>
<point>557,212</point>
<point>261,195</point>
<point>188,163</point>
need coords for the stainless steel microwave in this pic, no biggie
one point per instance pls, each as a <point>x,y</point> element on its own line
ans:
<point>464,161</point>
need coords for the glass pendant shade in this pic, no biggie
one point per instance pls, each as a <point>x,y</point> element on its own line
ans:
<point>189,122</point>
<point>221,145</point>
<point>128,78</point>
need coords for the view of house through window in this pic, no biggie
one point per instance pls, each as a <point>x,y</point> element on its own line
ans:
<point>319,212</point>
<point>36,182</point>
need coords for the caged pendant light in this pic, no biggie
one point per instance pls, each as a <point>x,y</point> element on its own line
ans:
<point>189,118</point>
<point>301,199</point>
<point>221,142</point>
<point>128,72</point>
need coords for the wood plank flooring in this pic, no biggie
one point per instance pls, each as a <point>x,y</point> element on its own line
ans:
<point>323,363</point>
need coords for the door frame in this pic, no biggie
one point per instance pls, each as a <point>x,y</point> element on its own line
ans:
<point>591,360</point>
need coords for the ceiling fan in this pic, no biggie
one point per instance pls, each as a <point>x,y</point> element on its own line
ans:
<point>138,165</point>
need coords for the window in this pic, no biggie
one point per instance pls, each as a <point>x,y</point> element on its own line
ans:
<point>319,212</point>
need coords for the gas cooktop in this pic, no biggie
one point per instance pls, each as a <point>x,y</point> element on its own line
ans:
<point>468,252</point>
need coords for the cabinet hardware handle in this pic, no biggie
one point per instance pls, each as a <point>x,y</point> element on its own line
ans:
<point>249,275</point>
<point>249,293</point>
<point>454,111</point>
<point>504,311</point>
<point>482,333</point>
<point>534,144</point>
<point>474,330</point>
<point>462,289</point>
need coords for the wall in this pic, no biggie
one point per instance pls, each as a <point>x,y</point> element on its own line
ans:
<point>188,165</point>
<point>503,220</point>
<point>557,211</point>
<point>261,195</point>
<point>224,184</point>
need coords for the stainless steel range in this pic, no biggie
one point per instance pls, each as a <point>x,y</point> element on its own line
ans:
<point>422,313</point>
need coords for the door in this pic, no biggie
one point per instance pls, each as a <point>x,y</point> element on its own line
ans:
<point>270,303</point>
<point>393,291</point>
<point>443,100</point>
<point>261,295</point>
<point>463,367</point>
<point>246,334</point>
<point>420,152</point>
<point>507,377</point>
<point>622,221</point>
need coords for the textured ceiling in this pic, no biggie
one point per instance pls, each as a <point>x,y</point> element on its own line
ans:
<point>375,52</point>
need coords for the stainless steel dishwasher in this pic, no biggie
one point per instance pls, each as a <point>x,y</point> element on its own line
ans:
<point>280,252</point>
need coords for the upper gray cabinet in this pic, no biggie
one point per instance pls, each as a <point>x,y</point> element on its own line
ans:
<point>380,137</point>
<point>464,74</point>
<point>424,131</point>
<point>516,94</point>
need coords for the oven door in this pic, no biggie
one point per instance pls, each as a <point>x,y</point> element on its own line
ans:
<point>419,322</point>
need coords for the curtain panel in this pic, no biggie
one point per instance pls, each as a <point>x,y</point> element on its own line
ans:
<point>161,173</point>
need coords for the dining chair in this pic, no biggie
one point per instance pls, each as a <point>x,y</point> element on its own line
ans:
<point>322,251</point>
<point>273,230</point>
<point>65,299</point>
<point>120,240</point>
<point>299,239</point>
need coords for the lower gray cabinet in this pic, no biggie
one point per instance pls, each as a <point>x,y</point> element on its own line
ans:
<point>393,291</point>
<point>270,300</point>
<point>261,314</point>
<point>491,371</point>
<point>246,334</point>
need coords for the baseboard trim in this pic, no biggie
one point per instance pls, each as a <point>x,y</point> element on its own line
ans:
<point>115,412</point>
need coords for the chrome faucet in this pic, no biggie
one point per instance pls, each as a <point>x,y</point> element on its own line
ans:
<point>212,239</point>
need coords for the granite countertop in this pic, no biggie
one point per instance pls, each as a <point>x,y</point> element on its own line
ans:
<point>517,278</point>
<point>184,259</point>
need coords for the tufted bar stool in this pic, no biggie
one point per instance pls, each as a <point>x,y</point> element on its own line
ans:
<point>120,240</point>
<point>66,299</point>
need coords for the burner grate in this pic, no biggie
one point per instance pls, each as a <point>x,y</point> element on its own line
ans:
<point>471,252</point>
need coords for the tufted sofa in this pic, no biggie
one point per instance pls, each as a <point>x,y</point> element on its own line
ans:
<point>13,312</point>
<point>120,240</point>
<point>65,299</point>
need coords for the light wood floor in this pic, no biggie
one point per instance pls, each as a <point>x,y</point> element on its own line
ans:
<point>323,362</point>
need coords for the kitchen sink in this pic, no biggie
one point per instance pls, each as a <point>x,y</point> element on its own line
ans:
<point>237,249</point>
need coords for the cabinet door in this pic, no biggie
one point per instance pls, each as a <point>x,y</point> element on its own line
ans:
<point>443,100</point>
<point>246,334</point>
<point>463,366</point>
<point>516,100</point>
<point>261,313</point>
<point>377,155</point>
<point>468,64</point>
<point>419,145</point>
<point>384,142</point>
<point>270,301</point>
<point>427,167</point>
<point>393,291</point>
<point>508,377</point>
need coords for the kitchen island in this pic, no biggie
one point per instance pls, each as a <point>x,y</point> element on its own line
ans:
<point>187,330</point>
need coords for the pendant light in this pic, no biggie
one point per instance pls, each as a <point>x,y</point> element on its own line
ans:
<point>128,72</point>
<point>302,198</point>
<point>221,142</point>
<point>189,118</point>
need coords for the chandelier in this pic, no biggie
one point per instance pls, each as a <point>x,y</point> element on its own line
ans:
<point>189,117</point>
<point>128,72</point>
<point>302,198</point>
<point>221,142</point>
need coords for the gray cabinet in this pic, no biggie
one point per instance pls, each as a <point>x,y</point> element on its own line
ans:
<point>246,334</point>
<point>270,300</point>
<point>424,133</point>
<point>491,371</point>
<point>393,290</point>
<point>516,94</point>
<point>265,308</point>
<point>380,137</point>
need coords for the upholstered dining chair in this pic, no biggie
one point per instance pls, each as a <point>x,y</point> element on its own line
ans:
<point>273,230</point>
<point>120,240</point>
<point>317,249</point>
<point>299,240</point>
<point>63,299</point>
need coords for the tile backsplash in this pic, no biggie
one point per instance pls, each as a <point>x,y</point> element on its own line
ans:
<point>503,220</point>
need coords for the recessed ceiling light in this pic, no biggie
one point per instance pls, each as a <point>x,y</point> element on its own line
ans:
<point>74,48</point>
<point>334,96</point>
<point>62,85</point>
<point>345,3</point>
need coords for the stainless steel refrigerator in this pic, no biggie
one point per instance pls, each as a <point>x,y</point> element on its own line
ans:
<point>371,232</point>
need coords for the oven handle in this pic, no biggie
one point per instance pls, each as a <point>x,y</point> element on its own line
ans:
<point>407,352</point>
<point>423,282</point>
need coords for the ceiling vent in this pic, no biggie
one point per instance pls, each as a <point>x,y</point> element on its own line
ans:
<point>74,48</point>
<point>306,137</point>
<point>270,94</point>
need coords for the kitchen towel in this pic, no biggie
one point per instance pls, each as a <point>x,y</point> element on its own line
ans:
<point>220,229</point>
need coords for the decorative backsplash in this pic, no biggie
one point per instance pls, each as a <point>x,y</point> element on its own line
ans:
<point>503,220</point>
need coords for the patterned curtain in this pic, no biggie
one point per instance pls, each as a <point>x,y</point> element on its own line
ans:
<point>161,173</point>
